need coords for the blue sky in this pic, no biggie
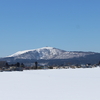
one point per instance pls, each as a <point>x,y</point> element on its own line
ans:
<point>71,25</point>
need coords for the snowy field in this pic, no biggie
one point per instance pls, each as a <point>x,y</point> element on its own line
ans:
<point>58,84</point>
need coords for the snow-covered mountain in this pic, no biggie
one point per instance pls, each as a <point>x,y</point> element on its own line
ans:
<point>48,53</point>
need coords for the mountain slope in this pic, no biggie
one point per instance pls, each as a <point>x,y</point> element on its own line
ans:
<point>48,53</point>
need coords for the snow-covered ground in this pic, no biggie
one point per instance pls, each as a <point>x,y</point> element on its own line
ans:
<point>58,84</point>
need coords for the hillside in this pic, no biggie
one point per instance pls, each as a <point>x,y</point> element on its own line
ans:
<point>48,53</point>
<point>51,56</point>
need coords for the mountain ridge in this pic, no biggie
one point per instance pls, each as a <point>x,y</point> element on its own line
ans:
<point>52,56</point>
<point>48,53</point>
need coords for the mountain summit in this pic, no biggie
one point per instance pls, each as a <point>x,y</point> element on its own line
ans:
<point>52,56</point>
<point>48,53</point>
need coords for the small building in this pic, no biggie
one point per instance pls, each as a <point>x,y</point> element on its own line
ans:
<point>55,67</point>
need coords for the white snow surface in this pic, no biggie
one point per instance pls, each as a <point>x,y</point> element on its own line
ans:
<point>55,84</point>
<point>25,51</point>
<point>48,53</point>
